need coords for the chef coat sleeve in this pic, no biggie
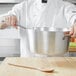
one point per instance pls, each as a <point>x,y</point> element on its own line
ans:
<point>70,13</point>
<point>15,11</point>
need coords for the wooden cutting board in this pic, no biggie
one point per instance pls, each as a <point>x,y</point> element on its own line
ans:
<point>63,66</point>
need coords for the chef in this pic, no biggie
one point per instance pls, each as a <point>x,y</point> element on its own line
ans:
<point>39,13</point>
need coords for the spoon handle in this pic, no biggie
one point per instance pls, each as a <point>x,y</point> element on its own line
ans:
<point>23,66</point>
<point>22,27</point>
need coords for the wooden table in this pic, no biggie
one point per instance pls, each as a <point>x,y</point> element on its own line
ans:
<point>63,66</point>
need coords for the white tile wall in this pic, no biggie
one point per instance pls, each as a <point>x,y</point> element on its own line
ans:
<point>72,1</point>
<point>9,47</point>
<point>5,8</point>
<point>10,1</point>
<point>10,33</point>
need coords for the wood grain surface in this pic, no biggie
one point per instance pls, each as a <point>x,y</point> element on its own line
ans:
<point>63,66</point>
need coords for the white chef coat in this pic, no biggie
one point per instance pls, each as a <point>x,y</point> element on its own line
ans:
<point>34,13</point>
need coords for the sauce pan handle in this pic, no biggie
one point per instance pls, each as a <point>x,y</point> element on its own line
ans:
<point>66,35</point>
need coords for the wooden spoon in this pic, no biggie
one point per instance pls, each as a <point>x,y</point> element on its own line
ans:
<point>48,70</point>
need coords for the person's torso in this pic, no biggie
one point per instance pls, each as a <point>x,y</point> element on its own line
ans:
<point>37,14</point>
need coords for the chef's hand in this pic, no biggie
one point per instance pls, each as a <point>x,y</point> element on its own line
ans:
<point>73,30</point>
<point>9,21</point>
